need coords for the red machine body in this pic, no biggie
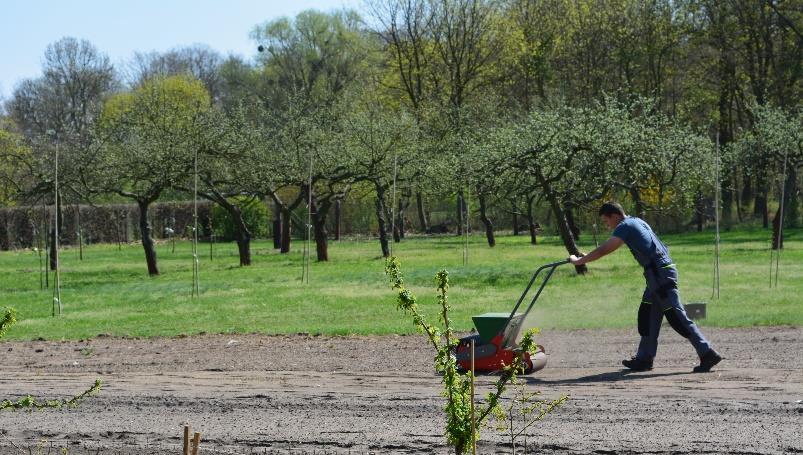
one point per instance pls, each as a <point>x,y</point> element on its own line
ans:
<point>496,343</point>
<point>493,356</point>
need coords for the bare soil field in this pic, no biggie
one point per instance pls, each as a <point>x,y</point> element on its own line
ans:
<point>303,394</point>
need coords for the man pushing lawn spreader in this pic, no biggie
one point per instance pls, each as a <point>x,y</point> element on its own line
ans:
<point>661,297</point>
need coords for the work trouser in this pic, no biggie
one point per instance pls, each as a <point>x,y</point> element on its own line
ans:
<point>661,298</point>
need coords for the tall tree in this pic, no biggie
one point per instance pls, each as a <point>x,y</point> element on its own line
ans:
<point>199,61</point>
<point>225,150</point>
<point>59,109</point>
<point>149,136</point>
<point>310,62</point>
<point>777,139</point>
<point>378,142</point>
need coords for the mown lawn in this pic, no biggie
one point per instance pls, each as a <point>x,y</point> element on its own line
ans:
<point>109,291</point>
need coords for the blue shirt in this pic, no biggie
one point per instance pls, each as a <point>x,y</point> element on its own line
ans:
<point>646,247</point>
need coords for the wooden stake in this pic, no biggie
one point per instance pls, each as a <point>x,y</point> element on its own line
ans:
<point>780,223</point>
<point>57,281</point>
<point>468,222</point>
<point>393,204</point>
<point>473,418</point>
<point>80,234</point>
<point>717,191</point>
<point>186,440</point>
<point>196,441</point>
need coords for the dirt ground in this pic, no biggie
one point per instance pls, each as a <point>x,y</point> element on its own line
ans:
<point>301,394</point>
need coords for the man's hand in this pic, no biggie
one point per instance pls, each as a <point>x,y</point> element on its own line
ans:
<point>575,260</point>
<point>608,247</point>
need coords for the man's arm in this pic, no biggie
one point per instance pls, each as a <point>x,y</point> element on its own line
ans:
<point>606,248</point>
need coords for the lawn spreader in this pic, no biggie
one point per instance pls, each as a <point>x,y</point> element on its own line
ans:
<point>496,341</point>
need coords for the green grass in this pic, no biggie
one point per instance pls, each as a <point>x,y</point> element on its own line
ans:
<point>110,292</point>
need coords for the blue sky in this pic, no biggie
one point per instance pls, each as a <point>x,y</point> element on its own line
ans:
<point>119,28</point>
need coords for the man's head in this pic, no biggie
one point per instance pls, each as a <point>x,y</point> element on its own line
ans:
<point>612,214</point>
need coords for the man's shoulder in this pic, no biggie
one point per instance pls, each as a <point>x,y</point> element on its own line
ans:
<point>624,226</point>
<point>630,224</point>
<point>636,222</point>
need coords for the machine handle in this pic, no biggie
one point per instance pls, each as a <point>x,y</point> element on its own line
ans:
<point>551,265</point>
<point>556,264</point>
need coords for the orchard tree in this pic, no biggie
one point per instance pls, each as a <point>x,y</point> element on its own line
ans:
<point>15,164</point>
<point>59,109</point>
<point>467,37</point>
<point>484,145</point>
<point>149,135</point>
<point>777,139</point>
<point>405,28</point>
<point>663,163</point>
<point>379,141</point>
<point>571,155</point>
<point>225,148</point>
<point>299,162</point>
<point>308,63</point>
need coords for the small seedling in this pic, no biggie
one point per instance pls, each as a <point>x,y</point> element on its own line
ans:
<point>457,386</point>
<point>522,412</point>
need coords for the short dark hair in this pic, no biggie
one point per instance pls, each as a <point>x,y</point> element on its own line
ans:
<point>612,208</point>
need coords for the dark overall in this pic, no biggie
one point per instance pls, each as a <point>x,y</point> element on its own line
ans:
<point>661,298</point>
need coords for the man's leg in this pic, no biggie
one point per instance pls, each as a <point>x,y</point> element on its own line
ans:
<point>649,327</point>
<point>670,306</point>
<point>679,320</point>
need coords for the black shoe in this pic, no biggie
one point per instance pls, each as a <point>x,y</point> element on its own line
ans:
<point>637,365</point>
<point>707,361</point>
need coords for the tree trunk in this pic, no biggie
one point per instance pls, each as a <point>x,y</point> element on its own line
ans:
<point>244,248</point>
<point>461,208</point>
<point>531,221</point>
<point>515,223</point>
<point>286,211</point>
<point>52,251</point>
<point>727,88</point>
<point>727,204</point>
<point>321,238</point>
<point>287,221</point>
<point>147,241</point>
<point>53,260</point>
<point>792,208</point>
<point>381,220</point>
<point>404,202</point>
<point>489,227</point>
<point>396,228</point>
<point>760,208</point>
<point>422,218</point>
<point>565,232</point>
<point>747,194</point>
<point>573,227</point>
<point>242,234</point>
<point>790,188</point>
<point>320,211</point>
<point>699,206</point>
<point>777,240</point>
<point>277,226</point>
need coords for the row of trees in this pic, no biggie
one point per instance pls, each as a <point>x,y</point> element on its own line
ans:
<point>511,104</point>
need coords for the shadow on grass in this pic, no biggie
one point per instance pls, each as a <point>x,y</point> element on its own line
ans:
<point>615,376</point>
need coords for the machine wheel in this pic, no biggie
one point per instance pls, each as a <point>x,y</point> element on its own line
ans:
<point>537,362</point>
